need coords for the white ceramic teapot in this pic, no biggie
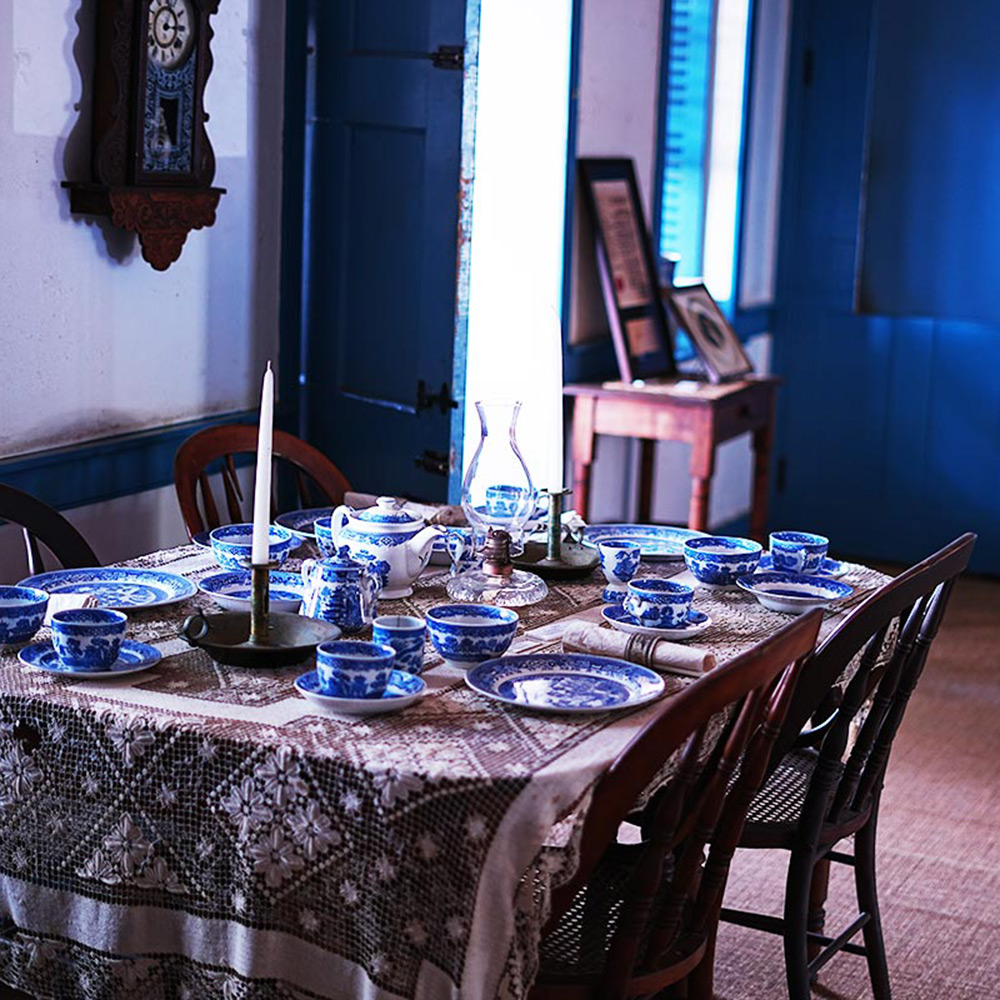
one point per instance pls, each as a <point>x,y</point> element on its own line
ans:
<point>394,541</point>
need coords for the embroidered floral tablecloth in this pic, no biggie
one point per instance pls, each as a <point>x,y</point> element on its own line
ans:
<point>201,831</point>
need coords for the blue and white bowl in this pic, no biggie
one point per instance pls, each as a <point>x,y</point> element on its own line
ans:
<point>794,593</point>
<point>350,668</point>
<point>798,551</point>
<point>464,634</point>
<point>22,611</point>
<point>232,545</point>
<point>717,560</point>
<point>88,638</point>
<point>406,634</point>
<point>651,601</point>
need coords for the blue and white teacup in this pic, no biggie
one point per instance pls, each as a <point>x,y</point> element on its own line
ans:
<point>619,563</point>
<point>351,668</point>
<point>658,602</point>
<point>405,633</point>
<point>22,610</point>
<point>798,551</point>
<point>503,502</point>
<point>462,549</point>
<point>88,638</point>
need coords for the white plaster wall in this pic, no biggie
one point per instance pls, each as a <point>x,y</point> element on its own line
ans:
<point>93,341</point>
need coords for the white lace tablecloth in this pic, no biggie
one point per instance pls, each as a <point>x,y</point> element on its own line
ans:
<point>201,831</point>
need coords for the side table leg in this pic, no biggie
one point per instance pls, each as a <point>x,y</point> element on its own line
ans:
<point>702,469</point>
<point>763,440</point>
<point>647,456</point>
<point>583,453</point>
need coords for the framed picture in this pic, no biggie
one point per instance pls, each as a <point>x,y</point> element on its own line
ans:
<point>697,313</point>
<point>625,262</point>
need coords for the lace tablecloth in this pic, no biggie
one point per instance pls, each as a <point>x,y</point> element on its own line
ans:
<point>201,831</point>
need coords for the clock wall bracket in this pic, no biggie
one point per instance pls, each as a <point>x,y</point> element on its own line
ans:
<point>152,163</point>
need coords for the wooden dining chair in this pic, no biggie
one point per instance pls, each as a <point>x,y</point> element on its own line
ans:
<point>639,918</point>
<point>827,787</point>
<point>41,523</point>
<point>318,481</point>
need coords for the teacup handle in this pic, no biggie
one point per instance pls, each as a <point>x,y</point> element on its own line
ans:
<point>371,587</point>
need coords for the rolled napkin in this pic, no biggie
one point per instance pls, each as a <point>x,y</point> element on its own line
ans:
<point>648,651</point>
<point>68,602</point>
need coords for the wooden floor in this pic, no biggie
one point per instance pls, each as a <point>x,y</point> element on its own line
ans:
<point>938,842</point>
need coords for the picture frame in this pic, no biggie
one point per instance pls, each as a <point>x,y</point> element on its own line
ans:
<point>626,265</point>
<point>699,316</point>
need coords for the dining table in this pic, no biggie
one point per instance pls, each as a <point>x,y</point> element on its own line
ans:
<point>199,830</point>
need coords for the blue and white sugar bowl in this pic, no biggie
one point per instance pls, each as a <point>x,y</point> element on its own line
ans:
<point>798,551</point>
<point>464,634</point>
<point>656,602</point>
<point>619,563</point>
<point>462,550</point>
<point>341,590</point>
<point>350,668</point>
<point>232,545</point>
<point>717,560</point>
<point>406,634</point>
<point>22,611</point>
<point>88,638</point>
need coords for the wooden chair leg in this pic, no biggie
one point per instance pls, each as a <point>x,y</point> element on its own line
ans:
<point>701,981</point>
<point>818,888</point>
<point>864,880</point>
<point>797,886</point>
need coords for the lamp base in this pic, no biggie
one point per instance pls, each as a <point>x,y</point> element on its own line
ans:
<point>513,590</point>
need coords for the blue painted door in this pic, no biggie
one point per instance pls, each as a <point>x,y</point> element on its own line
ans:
<point>382,216</point>
<point>889,426</point>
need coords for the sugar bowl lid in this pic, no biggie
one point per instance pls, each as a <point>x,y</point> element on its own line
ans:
<point>388,512</point>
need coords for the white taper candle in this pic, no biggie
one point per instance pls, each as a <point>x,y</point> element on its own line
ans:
<point>259,554</point>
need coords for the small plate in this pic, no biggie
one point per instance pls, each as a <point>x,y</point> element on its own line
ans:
<point>303,522</point>
<point>232,590</point>
<point>657,542</point>
<point>132,658</point>
<point>202,539</point>
<point>121,589</point>
<point>794,593</point>
<point>617,617</point>
<point>403,689</point>
<point>565,682</point>
<point>829,567</point>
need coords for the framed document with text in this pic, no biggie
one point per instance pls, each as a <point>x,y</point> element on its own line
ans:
<point>627,269</point>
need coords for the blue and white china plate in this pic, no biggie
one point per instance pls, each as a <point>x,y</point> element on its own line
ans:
<point>132,658</point>
<point>658,543</point>
<point>303,522</point>
<point>231,590</point>
<point>829,567</point>
<point>617,617</point>
<point>202,539</point>
<point>565,682</point>
<point>794,593</point>
<point>120,589</point>
<point>403,689</point>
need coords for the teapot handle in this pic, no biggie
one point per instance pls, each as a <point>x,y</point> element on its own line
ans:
<point>338,520</point>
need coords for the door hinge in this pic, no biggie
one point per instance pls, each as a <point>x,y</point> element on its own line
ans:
<point>441,399</point>
<point>448,57</point>
<point>435,462</point>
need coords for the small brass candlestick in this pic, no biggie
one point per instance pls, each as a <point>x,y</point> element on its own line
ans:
<point>556,559</point>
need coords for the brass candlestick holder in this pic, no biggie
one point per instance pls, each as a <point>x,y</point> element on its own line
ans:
<point>262,638</point>
<point>554,558</point>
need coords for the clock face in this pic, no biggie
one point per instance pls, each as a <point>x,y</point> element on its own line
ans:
<point>170,32</point>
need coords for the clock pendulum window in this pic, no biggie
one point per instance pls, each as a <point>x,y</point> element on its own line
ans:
<point>152,163</point>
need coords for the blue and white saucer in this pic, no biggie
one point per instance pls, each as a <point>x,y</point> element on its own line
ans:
<point>794,593</point>
<point>231,590</point>
<point>657,542</point>
<point>132,658</point>
<point>403,689</point>
<point>617,617</point>
<point>829,567</point>
<point>303,522</point>
<point>121,589</point>
<point>565,682</point>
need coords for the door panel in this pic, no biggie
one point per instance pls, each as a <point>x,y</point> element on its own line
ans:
<point>889,428</point>
<point>383,229</point>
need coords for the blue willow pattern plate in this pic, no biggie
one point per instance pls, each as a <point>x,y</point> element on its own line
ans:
<point>794,593</point>
<point>617,617</point>
<point>303,522</point>
<point>828,567</point>
<point>132,658</point>
<point>403,689</point>
<point>657,542</point>
<point>565,682</point>
<point>120,589</point>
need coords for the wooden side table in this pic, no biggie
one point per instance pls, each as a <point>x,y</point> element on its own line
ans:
<point>697,413</point>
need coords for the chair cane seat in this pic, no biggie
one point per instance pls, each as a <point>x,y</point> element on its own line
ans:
<point>776,808</point>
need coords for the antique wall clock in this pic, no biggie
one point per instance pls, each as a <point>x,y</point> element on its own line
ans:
<point>151,160</point>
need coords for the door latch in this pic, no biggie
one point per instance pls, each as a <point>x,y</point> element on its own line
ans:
<point>434,462</point>
<point>440,399</point>
<point>448,57</point>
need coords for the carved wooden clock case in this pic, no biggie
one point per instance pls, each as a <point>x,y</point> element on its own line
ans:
<point>151,160</point>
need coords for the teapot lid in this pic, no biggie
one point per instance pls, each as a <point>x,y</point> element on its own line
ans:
<point>388,511</point>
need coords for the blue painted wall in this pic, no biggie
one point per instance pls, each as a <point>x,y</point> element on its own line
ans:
<point>889,426</point>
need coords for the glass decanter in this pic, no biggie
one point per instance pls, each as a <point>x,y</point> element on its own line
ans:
<point>498,496</point>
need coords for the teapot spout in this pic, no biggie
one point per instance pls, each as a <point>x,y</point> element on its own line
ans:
<point>418,548</point>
